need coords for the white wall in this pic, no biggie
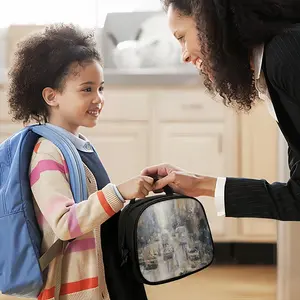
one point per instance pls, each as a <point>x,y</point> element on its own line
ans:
<point>87,13</point>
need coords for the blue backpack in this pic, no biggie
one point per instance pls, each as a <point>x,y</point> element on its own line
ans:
<point>21,264</point>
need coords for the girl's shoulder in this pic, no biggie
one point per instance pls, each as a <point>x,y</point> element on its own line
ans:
<point>46,149</point>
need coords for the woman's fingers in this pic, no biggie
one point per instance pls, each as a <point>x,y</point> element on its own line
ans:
<point>161,183</point>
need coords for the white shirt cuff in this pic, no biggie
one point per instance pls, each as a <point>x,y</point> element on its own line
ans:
<point>220,196</point>
<point>118,193</point>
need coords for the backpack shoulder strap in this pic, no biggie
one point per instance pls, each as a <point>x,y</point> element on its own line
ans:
<point>72,157</point>
<point>56,249</point>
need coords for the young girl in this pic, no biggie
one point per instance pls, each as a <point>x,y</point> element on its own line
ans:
<point>57,79</point>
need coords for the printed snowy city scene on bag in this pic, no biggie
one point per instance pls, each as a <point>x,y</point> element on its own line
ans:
<point>173,240</point>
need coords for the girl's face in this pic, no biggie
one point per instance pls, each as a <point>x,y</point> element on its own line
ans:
<point>185,31</point>
<point>82,99</point>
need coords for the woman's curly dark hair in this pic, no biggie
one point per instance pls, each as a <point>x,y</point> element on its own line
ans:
<point>42,60</point>
<point>228,31</point>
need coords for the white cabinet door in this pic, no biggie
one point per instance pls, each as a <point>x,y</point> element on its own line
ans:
<point>198,148</point>
<point>122,147</point>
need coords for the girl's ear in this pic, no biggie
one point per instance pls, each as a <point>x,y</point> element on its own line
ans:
<point>49,96</point>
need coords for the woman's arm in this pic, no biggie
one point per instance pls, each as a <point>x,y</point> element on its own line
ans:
<point>259,198</point>
<point>244,198</point>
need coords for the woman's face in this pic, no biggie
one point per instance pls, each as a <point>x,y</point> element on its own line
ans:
<point>185,31</point>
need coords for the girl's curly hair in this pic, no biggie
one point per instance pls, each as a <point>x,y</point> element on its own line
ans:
<point>43,60</point>
<point>228,31</point>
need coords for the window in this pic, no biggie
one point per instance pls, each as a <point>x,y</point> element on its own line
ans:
<point>51,11</point>
<point>86,13</point>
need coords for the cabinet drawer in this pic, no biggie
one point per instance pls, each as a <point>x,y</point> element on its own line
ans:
<point>182,105</point>
<point>130,105</point>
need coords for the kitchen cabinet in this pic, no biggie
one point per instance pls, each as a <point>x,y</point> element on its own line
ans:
<point>122,147</point>
<point>193,132</point>
<point>185,127</point>
<point>197,148</point>
<point>145,126</point>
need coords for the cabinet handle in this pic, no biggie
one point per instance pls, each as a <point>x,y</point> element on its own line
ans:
<point>192,106</point>
<point>220,142</point>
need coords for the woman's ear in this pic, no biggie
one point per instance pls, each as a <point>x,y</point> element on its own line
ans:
<point>49,96</point>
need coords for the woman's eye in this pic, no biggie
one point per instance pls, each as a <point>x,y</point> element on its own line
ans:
<point>101,89</point>
<point>89,89</point>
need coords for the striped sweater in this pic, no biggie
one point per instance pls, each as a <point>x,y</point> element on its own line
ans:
<point>59,217</point>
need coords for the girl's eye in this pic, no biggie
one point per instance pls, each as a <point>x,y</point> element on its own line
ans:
<point>101,89</point>
<point>89,89</point>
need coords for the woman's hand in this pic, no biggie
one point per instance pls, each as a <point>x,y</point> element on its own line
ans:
<point>137,187</point>
<point>181,181</point>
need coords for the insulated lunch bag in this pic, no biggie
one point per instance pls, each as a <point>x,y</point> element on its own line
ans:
<point>165,237</point>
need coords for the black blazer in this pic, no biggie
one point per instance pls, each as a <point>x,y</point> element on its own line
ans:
<point>258,198</point>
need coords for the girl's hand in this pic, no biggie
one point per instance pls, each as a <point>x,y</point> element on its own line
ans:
<point>138,187</point>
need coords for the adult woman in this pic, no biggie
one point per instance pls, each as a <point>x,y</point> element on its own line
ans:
<point>244,49</point>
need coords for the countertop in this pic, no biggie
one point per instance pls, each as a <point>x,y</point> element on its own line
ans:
<point>150,77</point>
<point>143,77</point>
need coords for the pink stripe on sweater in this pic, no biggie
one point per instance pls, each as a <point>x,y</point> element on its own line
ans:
<point>81,245</point>
<point>57,205</point>
<point>45,165</point>
<point>66,167</point>
<point>73,225</point>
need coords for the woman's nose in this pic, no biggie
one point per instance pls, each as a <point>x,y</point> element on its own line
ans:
<point>186,58</point>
